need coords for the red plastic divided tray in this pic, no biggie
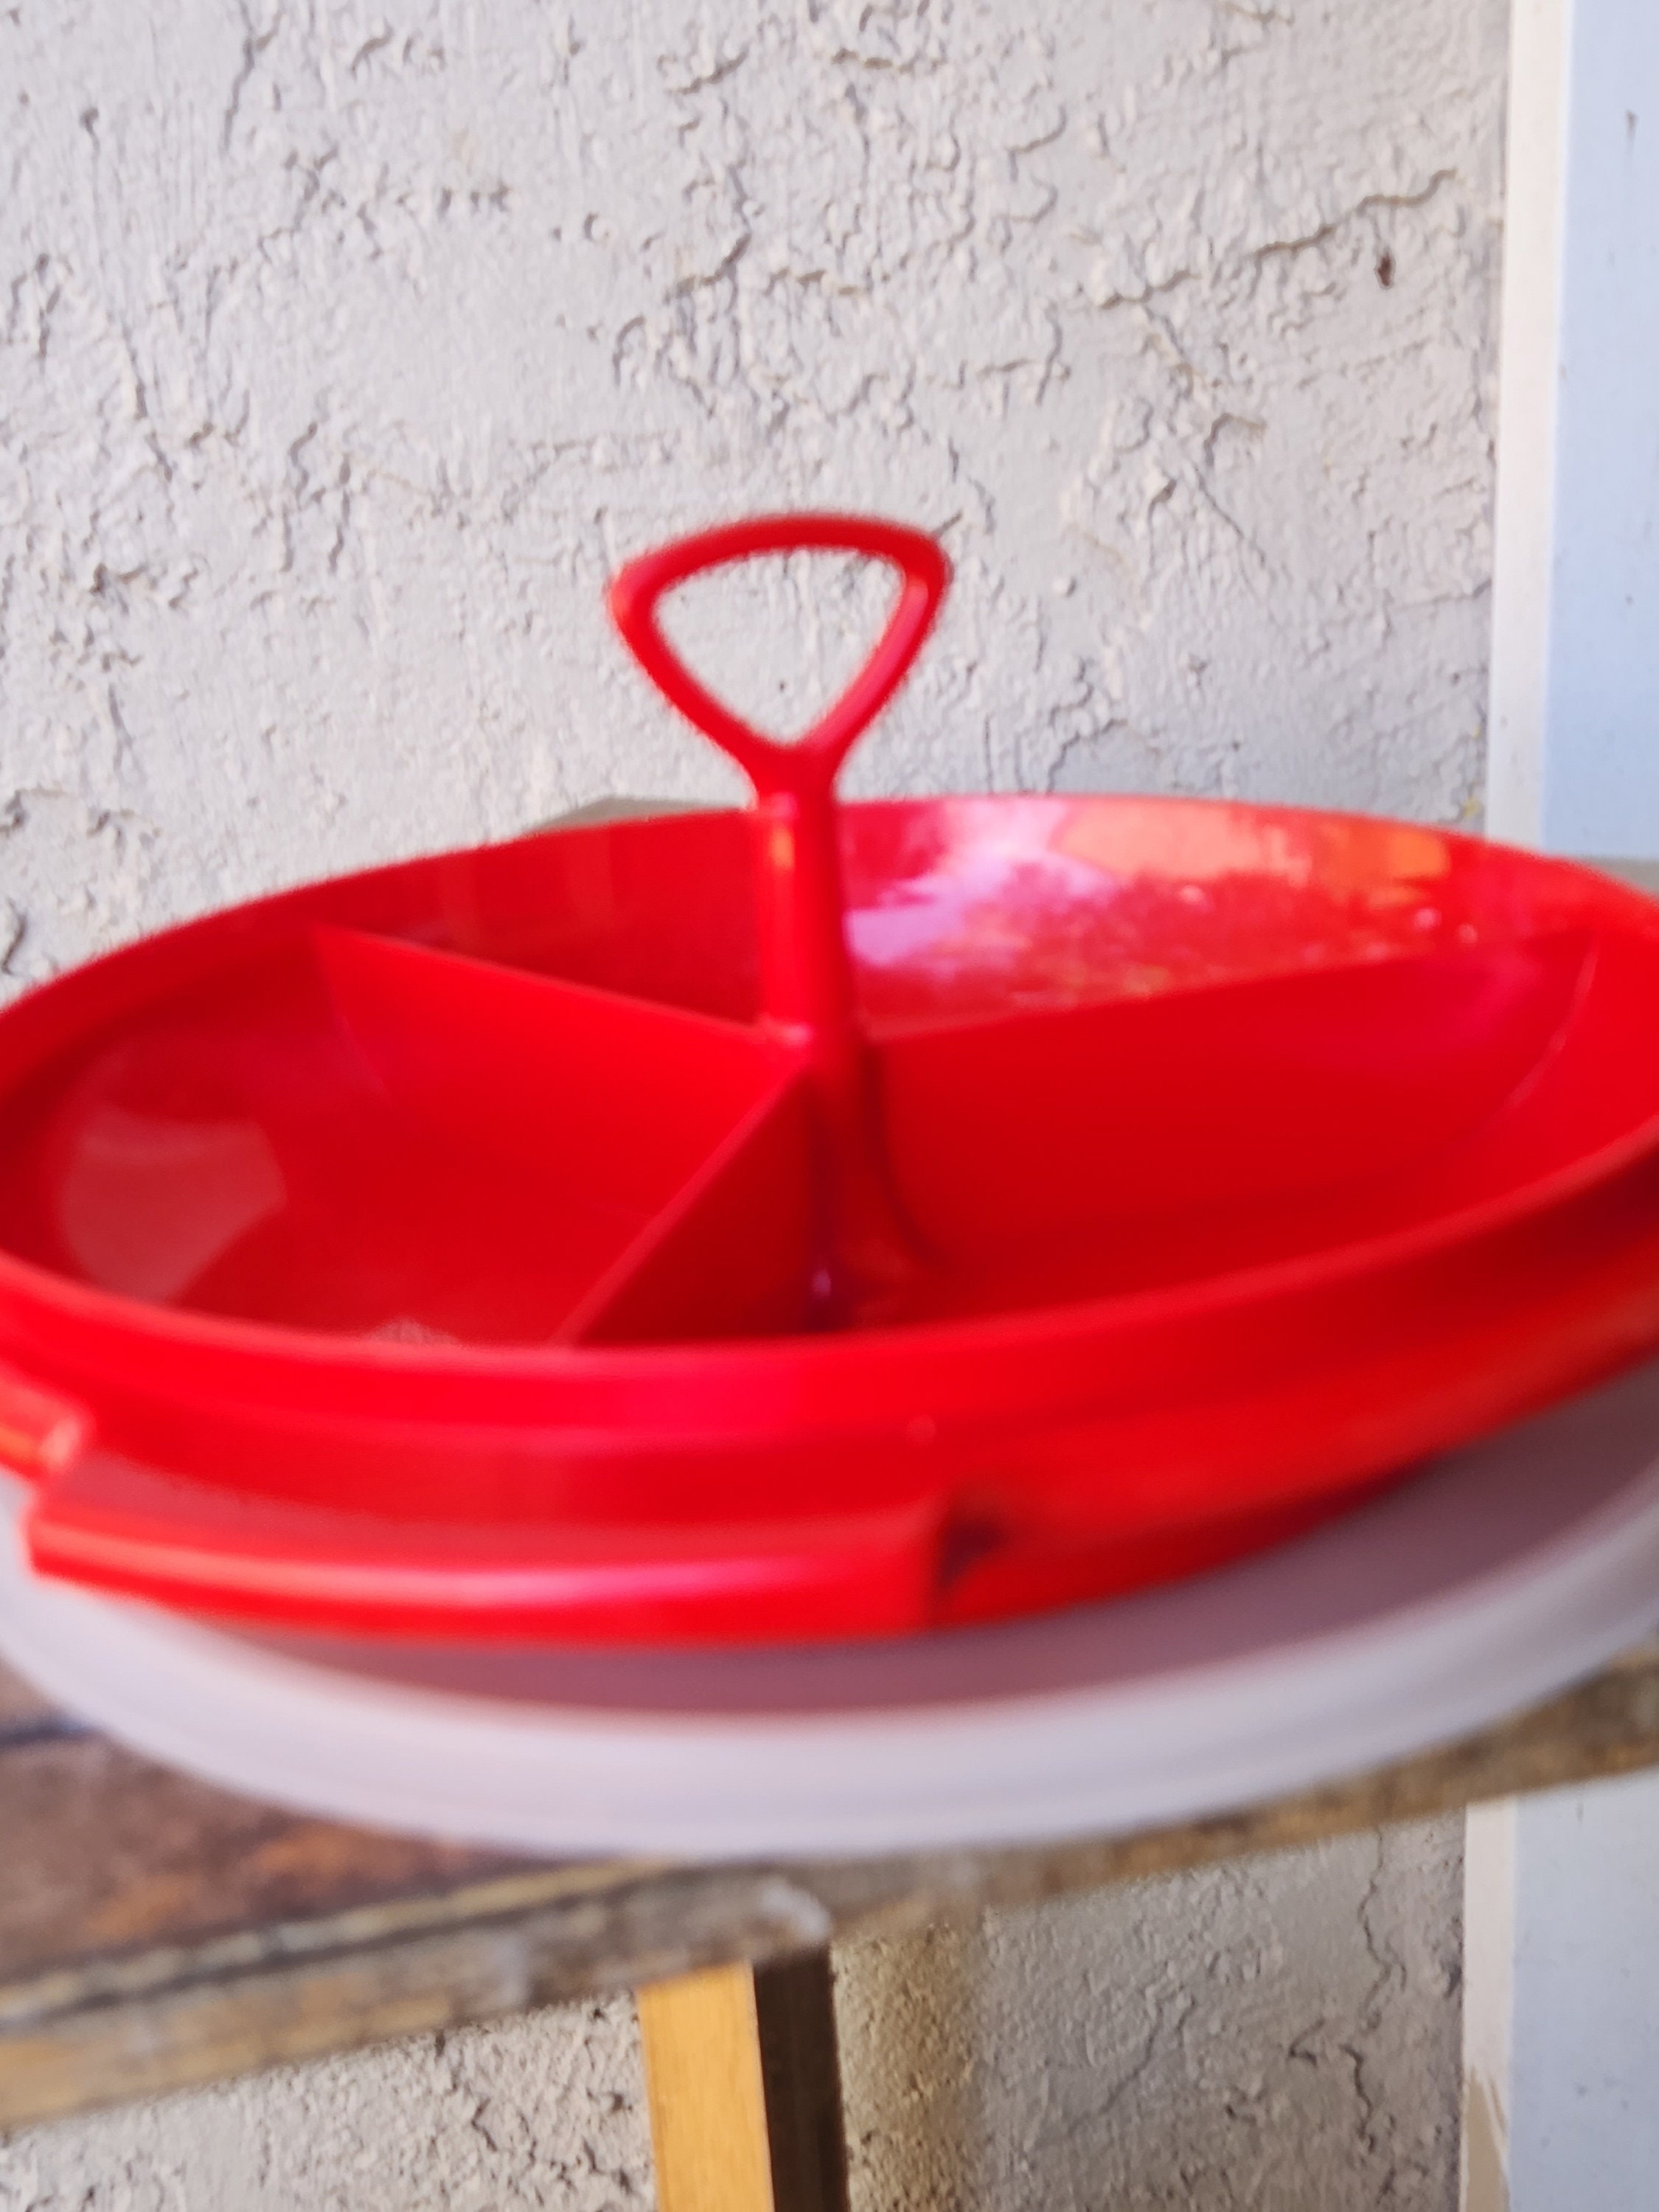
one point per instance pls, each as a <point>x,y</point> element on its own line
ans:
<point>812,1222</point>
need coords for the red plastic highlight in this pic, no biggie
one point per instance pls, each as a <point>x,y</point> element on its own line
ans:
<point>41,1435</point>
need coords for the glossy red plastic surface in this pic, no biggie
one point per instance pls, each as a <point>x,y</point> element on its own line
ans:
<point>561,1239</point>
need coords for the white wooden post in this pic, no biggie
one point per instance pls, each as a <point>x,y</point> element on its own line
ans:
<point>1573,732</point>
<point>1561,1962</point>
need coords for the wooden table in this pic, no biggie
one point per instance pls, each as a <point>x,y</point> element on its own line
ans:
<point>155,1932</point>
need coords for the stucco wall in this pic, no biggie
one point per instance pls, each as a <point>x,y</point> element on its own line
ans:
<point>1281,2035</point>
<point>544,2114</point>
<point>346,347</point>
<point>343,350</point>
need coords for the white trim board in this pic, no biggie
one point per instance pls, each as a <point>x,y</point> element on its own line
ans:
<point>1561,2014</point>
<point>1561,1920</point>
<point>1573,725</point>
<point>1488,2005</point>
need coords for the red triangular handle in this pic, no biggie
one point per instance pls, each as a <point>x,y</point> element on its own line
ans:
<point>866,1251</point>
<point>771,766</point>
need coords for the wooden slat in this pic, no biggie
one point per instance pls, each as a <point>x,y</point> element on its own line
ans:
<point>707,2094</point>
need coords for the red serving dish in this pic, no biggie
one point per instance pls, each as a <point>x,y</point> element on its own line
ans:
<point>1018,1200</point>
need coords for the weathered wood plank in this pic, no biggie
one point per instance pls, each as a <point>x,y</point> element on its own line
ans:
<point>104,1852</point>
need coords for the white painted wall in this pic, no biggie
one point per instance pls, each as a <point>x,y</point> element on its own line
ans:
<point>1561,2024</point>
<point>1583,2115</point>
<point>343,350</point>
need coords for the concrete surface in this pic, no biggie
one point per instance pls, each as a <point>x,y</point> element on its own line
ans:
<point>345,349</point>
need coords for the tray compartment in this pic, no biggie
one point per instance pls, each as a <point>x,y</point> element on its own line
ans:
<point>1053,1156</point>
<point>361,1136</point>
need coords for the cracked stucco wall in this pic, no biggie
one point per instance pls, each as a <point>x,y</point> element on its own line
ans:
<point>345,349</point>
<point>1277,2035</point>
<point>545,2115</point>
